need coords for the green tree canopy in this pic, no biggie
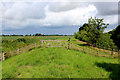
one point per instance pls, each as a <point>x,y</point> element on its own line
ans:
<point>115,35</point>
<point>92,32</point>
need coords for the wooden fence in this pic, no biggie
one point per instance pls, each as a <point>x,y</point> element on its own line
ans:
<point>19,50</point>
<point>62,43</point>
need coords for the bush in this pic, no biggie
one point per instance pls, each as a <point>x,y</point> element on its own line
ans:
<point>8,45</point>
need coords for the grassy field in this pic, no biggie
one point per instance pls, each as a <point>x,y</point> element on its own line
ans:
<point>53,62</point>
<point>58,63</point>
<point>40,37</point>
<point>0,70</point>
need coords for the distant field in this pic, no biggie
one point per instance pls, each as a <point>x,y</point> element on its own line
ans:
<point>59,63</point>
<point>11,37</point>
<point>55,37</point>
<point>40,37</point>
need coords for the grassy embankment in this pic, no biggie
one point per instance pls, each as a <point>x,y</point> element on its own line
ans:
<point>59,62</point>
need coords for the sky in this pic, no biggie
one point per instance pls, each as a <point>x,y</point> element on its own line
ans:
<point>54,17</point>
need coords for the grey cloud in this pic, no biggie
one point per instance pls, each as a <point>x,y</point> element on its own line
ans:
<point>107,8</point>
<point>119,13</point>
<point>16,15</point>
<point>53,27</point>
<point>104,8</point>
<point>118,19</point>
<point>23,11</point>
<point>7,5</point>
<point>119,8</point>
<point>65,6</point>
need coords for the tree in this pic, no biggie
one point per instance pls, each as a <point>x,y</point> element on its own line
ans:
<point>92,32</point>
<point>38,34</point>
<point>76,35</point>
<point>96,29</point>
<point>115,35</point>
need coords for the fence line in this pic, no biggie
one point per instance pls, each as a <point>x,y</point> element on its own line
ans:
<point>19,51</point>
<point>62,43</point>
<point>96,51</point>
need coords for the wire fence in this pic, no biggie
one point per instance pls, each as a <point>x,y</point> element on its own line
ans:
<point>18,51</point>
<point>84,48</point>
<point>89,49</point>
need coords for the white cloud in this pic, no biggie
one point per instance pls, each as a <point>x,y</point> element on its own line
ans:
<point>66,18</point>
<point>21,14</point>
<point>13,24</point>
<point>65,6</point>
<point>59,0</point>
<point>111,19</point>
<point>22,11</point>
<point>74,24</point>
<point>0,18</point>
<point>47,24</point>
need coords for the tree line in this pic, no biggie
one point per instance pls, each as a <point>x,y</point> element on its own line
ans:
<point>93,33</point>
<point>37,34</point>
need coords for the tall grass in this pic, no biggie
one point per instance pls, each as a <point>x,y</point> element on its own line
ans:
<point>10,45</point>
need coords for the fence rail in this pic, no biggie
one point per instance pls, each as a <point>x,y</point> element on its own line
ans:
<point>63,43</point>
<point>19,51</point>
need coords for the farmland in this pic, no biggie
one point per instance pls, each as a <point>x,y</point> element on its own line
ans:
<point>40,37</point>
<point>53,59</point>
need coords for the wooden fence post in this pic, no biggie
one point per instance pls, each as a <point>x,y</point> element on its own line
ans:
<point>108,50</point>
<point>83,49</point>
<point>98,46</point>
<point>3,56</point>
<point>69,43</point>
<point>97,52</point>
<point>40,43</point>
<point>18,51</point>
<point>35,45</point>
<point>112,52</point>
<point>103,48</point>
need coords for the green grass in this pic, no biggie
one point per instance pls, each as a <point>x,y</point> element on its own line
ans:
<point>58,63</point>
<point>40,37</point>
<point>0,70</point>
<point>10,43</point>
<point>11,37</point>
<point>92,51</point>
<point>54,37</point>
